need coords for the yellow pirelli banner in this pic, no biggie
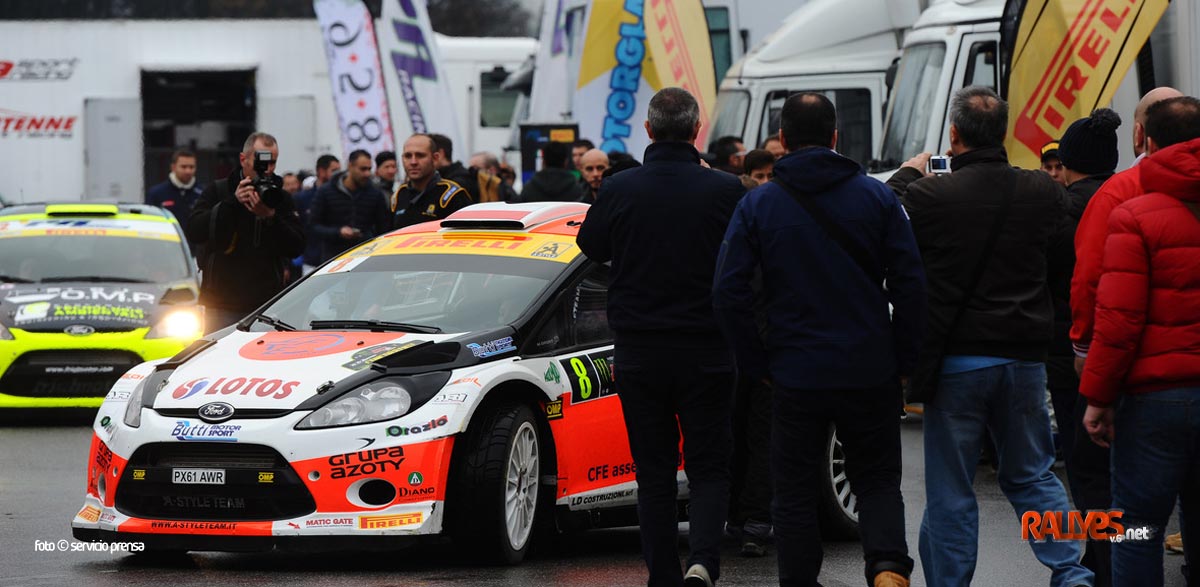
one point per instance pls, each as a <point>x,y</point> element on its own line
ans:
<point>1068,59</point>
<point>632,49</point>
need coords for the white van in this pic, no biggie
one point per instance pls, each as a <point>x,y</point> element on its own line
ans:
<point>842,48</point>
<point>955,43</point>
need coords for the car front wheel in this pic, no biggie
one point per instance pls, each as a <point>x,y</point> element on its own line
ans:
<point>496,485</point>
<point>839,506</point>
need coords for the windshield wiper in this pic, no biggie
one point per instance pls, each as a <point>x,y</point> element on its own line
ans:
<point>374,325</point>
<point>14,279</point>
<point>276,322</point>
<point>94,279</point>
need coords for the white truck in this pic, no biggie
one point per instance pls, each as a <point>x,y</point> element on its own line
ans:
<point>842,48</point>
<point>956,43</point>
<point>92,109</point>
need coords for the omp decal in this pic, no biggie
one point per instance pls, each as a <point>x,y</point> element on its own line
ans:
<point>393,521</point>
<point>260,386</point>
<point>286,346</point>
<point>121,295</point>
<point>492,348</point>
<point>591,376</point>
<point>554,410</point>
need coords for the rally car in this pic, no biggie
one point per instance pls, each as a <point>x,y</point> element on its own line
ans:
<point>88,291</point>
<point>451,378</point>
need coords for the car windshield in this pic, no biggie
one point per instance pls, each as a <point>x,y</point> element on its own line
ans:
<point>732,107</point>
<point>911,108</point>
<point>452,293</point>
<point>66,255</point>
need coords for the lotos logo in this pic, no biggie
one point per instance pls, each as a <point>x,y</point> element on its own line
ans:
<point>1074,525</point>
<point>260,386</point>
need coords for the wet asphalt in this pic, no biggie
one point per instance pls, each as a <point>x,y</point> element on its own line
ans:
<point>42,478</point>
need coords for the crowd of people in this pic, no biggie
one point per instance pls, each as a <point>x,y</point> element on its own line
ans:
<point>1000,298</point>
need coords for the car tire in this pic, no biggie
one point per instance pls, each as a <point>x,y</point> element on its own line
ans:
<point>839,506</point>
<point>496,485</point>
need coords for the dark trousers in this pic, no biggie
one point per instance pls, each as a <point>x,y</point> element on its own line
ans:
<point>661,395</point>
<point>751,507</point>
<point>218,318</point>
<point>868,424</point>
<point>1089,474</point>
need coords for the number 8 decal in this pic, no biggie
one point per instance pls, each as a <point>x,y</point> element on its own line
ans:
<point>585,382</point>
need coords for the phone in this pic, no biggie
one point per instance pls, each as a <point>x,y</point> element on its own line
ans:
<point>939,164</point>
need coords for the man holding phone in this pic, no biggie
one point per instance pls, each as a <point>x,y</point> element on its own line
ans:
<point>349,209</point>
<point>249,228</point>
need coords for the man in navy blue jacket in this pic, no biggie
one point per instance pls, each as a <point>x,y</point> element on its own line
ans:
<point>832,354</point>
<point>661,225</point>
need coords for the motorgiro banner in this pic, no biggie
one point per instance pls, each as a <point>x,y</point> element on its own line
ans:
<point>634,48</point>
<point>415,77</point>
<point>1068,58</point>
<point>356,75</point>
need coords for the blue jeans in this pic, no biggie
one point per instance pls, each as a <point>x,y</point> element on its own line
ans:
<point>1155,458</point>
<point>1009,402</point>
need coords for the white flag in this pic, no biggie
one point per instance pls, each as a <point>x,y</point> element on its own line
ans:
<point>416,81</point>
<point>356,74</point>
<point>550,98</point>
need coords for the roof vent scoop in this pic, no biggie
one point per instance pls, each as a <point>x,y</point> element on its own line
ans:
<point>502,216</point>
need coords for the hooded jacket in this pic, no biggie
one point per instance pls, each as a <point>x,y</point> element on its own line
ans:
<point>244,254</point>
<point>336,206</point>
<point>552,185</point>
<point>828,323</point>
<point>1147,329</point>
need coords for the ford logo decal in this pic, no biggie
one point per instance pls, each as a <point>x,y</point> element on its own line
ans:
<point>79,330</point>
<point>215,412</point>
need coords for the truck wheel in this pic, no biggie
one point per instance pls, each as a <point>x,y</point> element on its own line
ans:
<point>839,506</point>
<point>496,485</point>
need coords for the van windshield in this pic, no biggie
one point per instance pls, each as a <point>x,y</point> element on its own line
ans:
<point>911,110</point>
<point>732,108</point>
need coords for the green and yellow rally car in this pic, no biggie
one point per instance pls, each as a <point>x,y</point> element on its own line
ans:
<point>86,292</point>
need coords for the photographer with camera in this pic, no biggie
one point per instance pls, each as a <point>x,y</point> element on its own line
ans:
<point>250,228</point>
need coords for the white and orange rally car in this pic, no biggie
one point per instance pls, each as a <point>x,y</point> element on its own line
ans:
<point>444,379</point>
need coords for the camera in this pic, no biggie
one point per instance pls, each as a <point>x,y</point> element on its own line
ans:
<point>269,189</point>
<point>939,164</point>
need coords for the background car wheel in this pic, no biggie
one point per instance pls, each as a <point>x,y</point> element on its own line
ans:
<point>496,485</point>
<point>839,506</point>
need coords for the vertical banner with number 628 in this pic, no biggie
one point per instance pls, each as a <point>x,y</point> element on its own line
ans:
<point>356,75</point>
<point>415,77</point>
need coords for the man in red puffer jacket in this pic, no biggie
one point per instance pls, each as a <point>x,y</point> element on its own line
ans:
<point>1142,376</point>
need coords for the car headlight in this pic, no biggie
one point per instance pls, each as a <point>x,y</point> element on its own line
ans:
<point>377,401</point>
<point>133,409</point>
<point>187,323</point>
<point>4,333</point>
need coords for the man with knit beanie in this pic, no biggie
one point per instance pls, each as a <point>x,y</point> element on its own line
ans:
<point>1088,150</point>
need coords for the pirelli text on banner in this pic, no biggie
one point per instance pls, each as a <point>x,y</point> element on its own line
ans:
<point>1068,59</point>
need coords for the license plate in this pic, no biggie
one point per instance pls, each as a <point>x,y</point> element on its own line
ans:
<point>198,476</point>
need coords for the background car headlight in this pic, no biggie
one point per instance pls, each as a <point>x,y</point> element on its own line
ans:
<point>4,333</point>
<point>133,410</point>
<point>183,323</point>
<point>374,402</point>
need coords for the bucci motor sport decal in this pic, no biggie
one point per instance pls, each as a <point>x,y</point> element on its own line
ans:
<point>286,346</point>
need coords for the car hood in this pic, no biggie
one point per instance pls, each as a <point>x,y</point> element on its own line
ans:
<point>111,307</point>
<point>277,370</point>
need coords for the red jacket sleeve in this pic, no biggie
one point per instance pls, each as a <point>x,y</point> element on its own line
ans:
<point>1090,237</point>
<point>1122,300</point>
